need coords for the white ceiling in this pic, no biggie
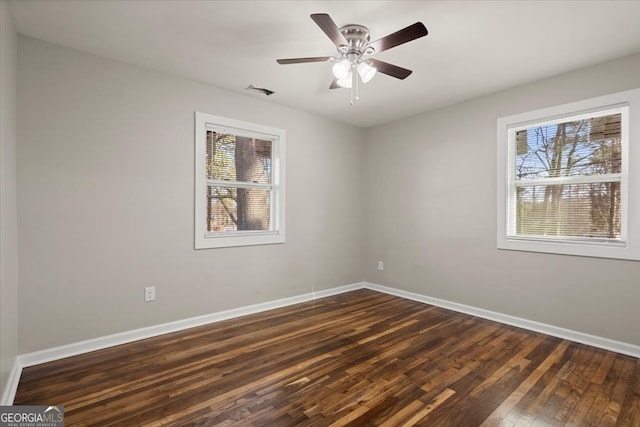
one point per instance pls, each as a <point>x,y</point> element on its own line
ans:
<point>473,47</point>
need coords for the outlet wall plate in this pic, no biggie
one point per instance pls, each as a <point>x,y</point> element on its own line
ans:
<point>149,293</point>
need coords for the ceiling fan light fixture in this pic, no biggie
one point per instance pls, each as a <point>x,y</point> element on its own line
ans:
<point>354,51</point>
<point>342,69</point>
<point>366,72</point>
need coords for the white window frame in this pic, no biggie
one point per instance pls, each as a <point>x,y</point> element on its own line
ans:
<point>206,240</point>
<point>628,247</point>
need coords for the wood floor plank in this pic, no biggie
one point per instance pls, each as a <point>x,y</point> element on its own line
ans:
<point>630,409</point>
<point>359,358</point>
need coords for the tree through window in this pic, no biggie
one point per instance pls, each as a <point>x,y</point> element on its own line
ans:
<point>239,177</point>
<point>567,178</point>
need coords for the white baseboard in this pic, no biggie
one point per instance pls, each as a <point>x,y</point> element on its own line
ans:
<point>11,387</point>
<point>568,334</point>
<point>336,291</point>
<point>55,353</point>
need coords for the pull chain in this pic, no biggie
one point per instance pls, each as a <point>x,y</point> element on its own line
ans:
<point>354,84</point>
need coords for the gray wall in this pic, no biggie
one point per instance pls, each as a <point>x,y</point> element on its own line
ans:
<point>105,201</point>
<point>431,215</point>
<point>8,221</point>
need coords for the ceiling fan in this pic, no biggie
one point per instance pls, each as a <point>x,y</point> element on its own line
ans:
<point>354,61</point>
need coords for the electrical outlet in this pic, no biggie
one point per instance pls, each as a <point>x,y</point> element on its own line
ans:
<point>149,293</point>
<point>380,266</point>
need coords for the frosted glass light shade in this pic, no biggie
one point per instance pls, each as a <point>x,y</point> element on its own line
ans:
<point>342,69</point>
<point>345,82</point>
<point>366,72</point>
<point>343,72</point>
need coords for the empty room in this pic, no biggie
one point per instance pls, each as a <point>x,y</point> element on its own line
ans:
<point>319,213</point>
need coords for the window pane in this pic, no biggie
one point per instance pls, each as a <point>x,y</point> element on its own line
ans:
<point>236,158</point>
<point>580,147</point>
<point>580,210</point>
<point>237,209</point>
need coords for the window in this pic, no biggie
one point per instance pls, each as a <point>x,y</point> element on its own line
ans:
<point>239,183</point>
<point>569,178</point>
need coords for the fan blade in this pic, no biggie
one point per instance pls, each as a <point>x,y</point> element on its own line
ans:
<point>334,84</point>
<point>330,28</point>
<point>389,69</point>
<point>303,60</point>
<point>405,35</point>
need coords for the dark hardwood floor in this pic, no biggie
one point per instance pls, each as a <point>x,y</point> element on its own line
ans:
<point>360,358</point>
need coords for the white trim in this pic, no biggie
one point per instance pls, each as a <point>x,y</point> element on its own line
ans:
<point>55,353</point>
<point>9,394</point>
<point>336,291</point>
<point>555,331</point>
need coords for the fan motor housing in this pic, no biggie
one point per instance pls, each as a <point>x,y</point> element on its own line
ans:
<point>357,37</point>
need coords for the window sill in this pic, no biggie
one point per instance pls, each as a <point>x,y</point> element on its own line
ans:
<point>612,250</point>
<point>228,241</point>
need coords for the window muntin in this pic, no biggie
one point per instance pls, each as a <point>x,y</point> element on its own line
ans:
<point>239,183</point>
